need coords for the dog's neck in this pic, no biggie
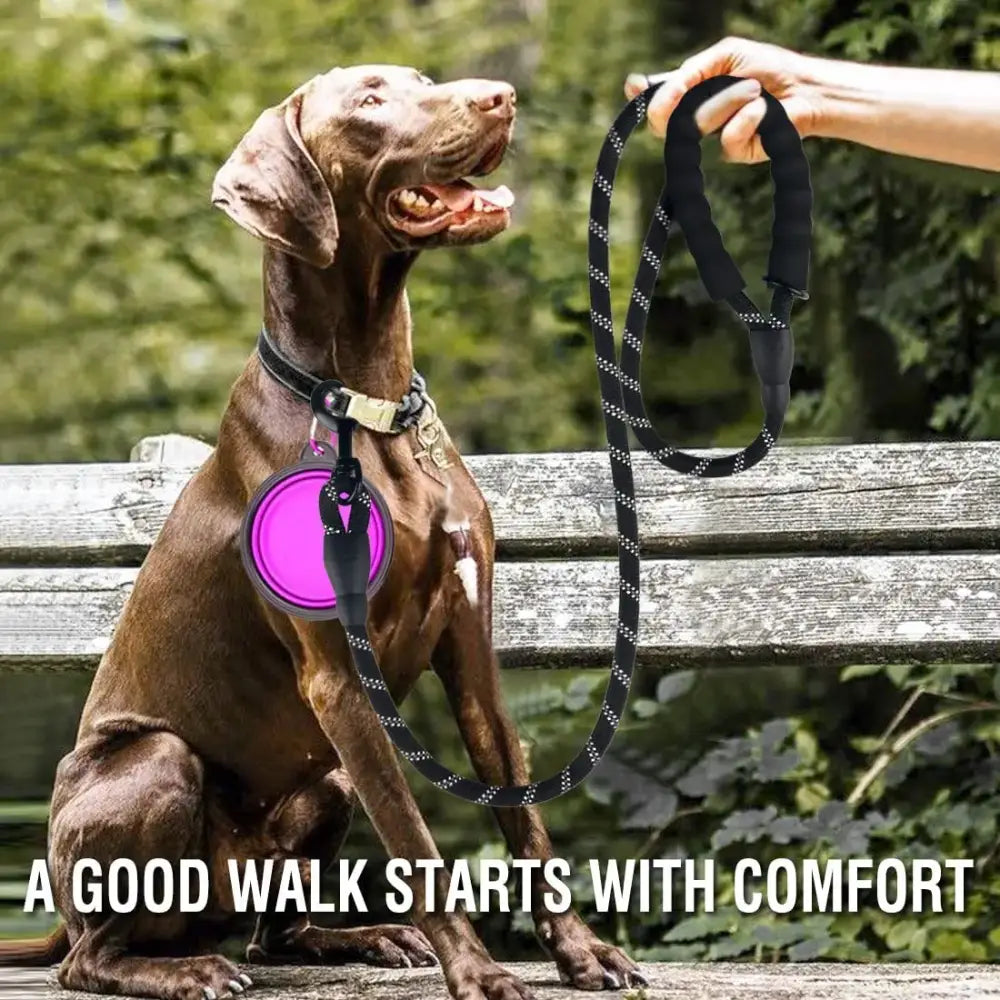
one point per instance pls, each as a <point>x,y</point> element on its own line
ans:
<point>350,321</point>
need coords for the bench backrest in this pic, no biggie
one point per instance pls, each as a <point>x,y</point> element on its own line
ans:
<point>821,555</point>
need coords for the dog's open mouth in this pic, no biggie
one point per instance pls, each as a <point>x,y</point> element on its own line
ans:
<point>427,209</point>
<point>424,210</point>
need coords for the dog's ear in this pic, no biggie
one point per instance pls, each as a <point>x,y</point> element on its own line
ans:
<point>273,188</point>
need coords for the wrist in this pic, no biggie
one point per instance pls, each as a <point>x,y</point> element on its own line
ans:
<point>819,95</point>
<point>836,94</point>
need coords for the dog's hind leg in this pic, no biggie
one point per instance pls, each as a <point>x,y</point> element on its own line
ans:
<point>312,824</point>
<point>135,795</point>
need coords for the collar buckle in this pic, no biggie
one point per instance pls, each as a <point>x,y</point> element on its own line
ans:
<point>375,414</point>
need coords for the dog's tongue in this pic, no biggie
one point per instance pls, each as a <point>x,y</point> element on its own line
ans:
<point>459,197</point>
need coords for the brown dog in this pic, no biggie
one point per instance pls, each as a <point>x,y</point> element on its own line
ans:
<point>218,727</point>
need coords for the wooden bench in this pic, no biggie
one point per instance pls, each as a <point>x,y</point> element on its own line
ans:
<point>820,556</point>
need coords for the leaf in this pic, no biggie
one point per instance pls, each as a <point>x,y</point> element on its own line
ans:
<point>774,732</point>
<point>717,768</point>
<point>671,953</point>
<point>898,673</point>
<point>580,691</point>
<point>806,951</point>
<point>672,686</point>
<point>866,744</point>
<point>831,816</point>
<point>643,800</point>
<point>702,925</point>
<point>645,708</point>
<point>747,825</point>
<point>811,796</point>
<point>779,935</point>
<point>953,946</point>
<point>900,934</point>
<point>807,746</point>
<point>785,829</point>
<point>857,670</point>
<point>777,765</point>
<point>731,947</point>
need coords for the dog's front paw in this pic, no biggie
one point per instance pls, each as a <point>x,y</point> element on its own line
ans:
<point>394,946</point>
<point>584,961</point>
<point>482,979</point>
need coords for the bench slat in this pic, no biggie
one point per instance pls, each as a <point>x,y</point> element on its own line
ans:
<point>826,499</point>
<point>826,610</point>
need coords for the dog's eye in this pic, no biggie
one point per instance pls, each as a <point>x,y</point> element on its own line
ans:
<point>372,101</point>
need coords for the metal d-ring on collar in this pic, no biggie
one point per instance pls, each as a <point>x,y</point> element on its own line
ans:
<point>346,554</point>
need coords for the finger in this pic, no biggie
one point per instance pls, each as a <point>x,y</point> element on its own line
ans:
<point>636,83</point>
<point>716,111</point>
<point>713,61</point>
<point>740,142</point>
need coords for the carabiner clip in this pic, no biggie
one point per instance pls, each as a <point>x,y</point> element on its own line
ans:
<point>314,445</point>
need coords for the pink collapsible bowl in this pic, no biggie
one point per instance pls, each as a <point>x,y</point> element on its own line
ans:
<point>282,541</point>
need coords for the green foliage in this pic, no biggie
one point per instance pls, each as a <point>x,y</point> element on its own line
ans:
<point>876,764</point>
<point>121,282</point>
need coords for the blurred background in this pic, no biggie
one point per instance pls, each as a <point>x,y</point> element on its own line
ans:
<point>124,290</point>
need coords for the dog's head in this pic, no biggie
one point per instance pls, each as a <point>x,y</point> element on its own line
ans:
<point>381,146</point>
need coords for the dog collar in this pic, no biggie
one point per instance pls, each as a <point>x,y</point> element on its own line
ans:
<point>386,416</point>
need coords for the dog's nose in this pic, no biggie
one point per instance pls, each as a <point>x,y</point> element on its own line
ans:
<point>494,98</point>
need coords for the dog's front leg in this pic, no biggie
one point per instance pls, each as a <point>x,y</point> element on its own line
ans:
<point>331,687</point>
<point>468,668</point>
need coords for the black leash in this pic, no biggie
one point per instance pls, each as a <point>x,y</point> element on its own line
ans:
<point>346,552</point>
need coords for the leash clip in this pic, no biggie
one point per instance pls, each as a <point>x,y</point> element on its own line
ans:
<point>347,480</point>
<point>327,403</point>
<point>328,410</point>
<point>314,445</point>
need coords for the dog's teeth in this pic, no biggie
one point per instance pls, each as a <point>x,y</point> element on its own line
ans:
<point>408,197</point>
<point>421,201</point>
<point>477,204</point>
<point>437,205</point>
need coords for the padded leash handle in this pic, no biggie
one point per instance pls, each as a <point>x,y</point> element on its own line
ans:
<point>791,231</point>
<point>682,199</point>
<point>345,502</point>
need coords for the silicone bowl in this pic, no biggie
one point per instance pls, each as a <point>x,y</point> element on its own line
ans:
<point>282,541</point>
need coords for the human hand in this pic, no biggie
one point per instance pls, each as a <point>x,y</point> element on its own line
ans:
<point>738,110</point>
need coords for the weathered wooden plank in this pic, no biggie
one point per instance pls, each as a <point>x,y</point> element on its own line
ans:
<point>824,610</point>
<point>171,449</point>
<point>832,499</point>
<point>675,981</point>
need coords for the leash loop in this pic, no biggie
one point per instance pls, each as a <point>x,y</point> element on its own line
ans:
<point>682,202</point>
<point>346,552</point>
